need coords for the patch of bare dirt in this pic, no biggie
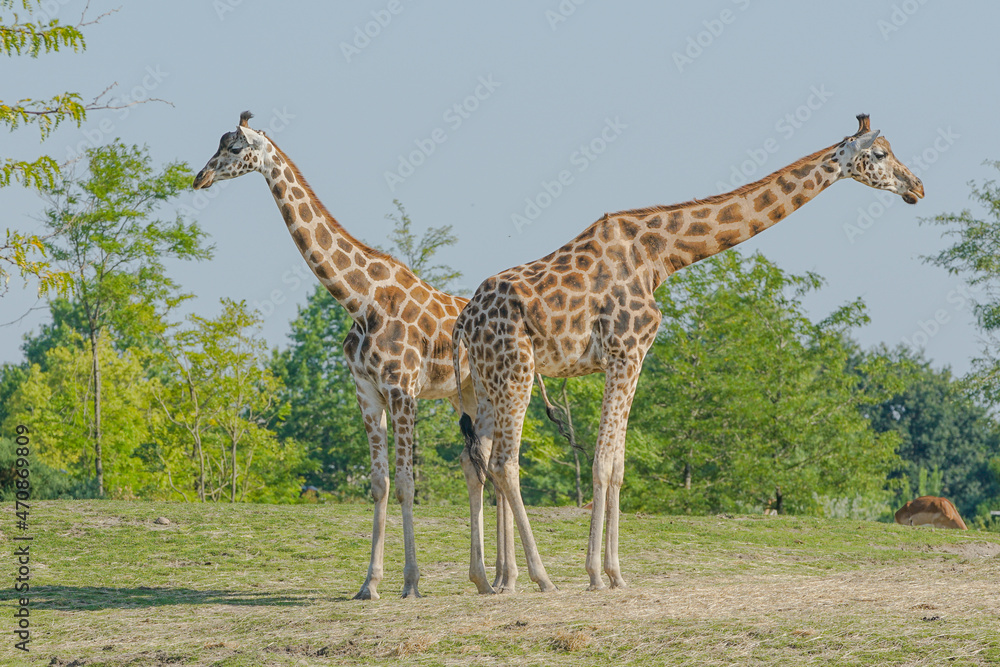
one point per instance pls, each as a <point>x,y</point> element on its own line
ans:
<point>972,549</point>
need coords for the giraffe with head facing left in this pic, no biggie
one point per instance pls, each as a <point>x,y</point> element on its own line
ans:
<point>589,307</point>
<point>398,348</point>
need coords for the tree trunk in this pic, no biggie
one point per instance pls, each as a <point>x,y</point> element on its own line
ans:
<point>232,495</point>
<point>96,374</point>
<point>687,476</point>
<point>579,487</point>
<point>572,445</point>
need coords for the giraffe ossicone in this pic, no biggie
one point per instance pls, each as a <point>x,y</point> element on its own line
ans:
<point>589,307</point>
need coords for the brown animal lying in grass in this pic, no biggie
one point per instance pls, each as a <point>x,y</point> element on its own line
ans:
<point>930,511</point>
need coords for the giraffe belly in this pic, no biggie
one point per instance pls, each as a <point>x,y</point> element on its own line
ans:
<point>566,357</point>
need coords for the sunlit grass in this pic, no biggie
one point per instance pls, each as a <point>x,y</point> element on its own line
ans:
<point>255,585</point>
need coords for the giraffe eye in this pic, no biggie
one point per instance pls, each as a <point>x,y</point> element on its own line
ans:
<point>234,149</point>
<point>878,155</point>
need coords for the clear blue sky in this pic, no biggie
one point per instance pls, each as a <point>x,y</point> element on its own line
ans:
<point>641,103</point>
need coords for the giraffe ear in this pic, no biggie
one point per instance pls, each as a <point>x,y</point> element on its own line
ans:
<point>861,143</point>
<point>866,140</point>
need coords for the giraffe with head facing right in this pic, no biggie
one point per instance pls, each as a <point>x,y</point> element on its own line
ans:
<point>589,307</point>
<point>398,348</point>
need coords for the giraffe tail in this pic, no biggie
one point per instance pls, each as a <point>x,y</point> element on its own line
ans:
<point>473,445</point>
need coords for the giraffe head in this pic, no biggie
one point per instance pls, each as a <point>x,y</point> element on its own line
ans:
<point>240,152</point>
<point>867,158</point>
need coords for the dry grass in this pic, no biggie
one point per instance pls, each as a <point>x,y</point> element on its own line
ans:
<point>272,586</point>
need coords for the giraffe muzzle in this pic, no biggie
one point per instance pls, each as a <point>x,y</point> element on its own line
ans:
<point>915,192</point>
<point>204,179</point>
<point>914,189</point>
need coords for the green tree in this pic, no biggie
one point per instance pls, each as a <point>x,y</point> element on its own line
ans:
<point>558,450</point>
<point>56,404</point>
<point>319,387</point>
<point>947,441</point>
<point>215,394</point>
<point>744,403</point>
<point>19,36</point>
<point>975,255</point>
<point>113,248</point>
<point>418,253</point>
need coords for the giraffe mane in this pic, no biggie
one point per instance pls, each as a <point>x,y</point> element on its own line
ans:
<point>374,252</point>
<point>719,198</point>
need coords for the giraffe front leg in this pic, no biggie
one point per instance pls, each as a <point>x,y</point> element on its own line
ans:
<point>374,419</point>
<point>597,522</point>
<point>611,565</point>
<point>609,465</point>
<point>404,416</point>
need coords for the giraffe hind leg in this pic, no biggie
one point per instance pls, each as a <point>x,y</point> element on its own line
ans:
<point>510,405</point>
<point>479,436</point>
<point>404,416</point>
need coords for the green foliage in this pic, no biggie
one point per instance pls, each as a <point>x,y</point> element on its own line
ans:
<point>57,405</point>
<point>946,438</point>
<point>418,253</point>
<point>547,458</point>
<point>742,395</point>
<point>112,247</point>
<point>47,483</point>
<point>319,387</point>
<point>112,243</point>
<point>25,254</point>
<point>25,38</point>
<point>215,443</point>
<point>975,256</point>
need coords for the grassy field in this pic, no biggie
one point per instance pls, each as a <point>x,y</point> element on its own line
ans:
<point>272,585</point>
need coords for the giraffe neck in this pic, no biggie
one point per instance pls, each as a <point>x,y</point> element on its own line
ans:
<point>673,237</point>
<point>347,267</point>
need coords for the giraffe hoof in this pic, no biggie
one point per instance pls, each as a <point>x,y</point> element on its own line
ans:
<point>618,583</point>
<point>367,593</point>
<point>411,593</point>
<point>596,587</point>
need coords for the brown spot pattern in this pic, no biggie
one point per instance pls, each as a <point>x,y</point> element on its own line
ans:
<point>764,200</point>
<point>730,214</point>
